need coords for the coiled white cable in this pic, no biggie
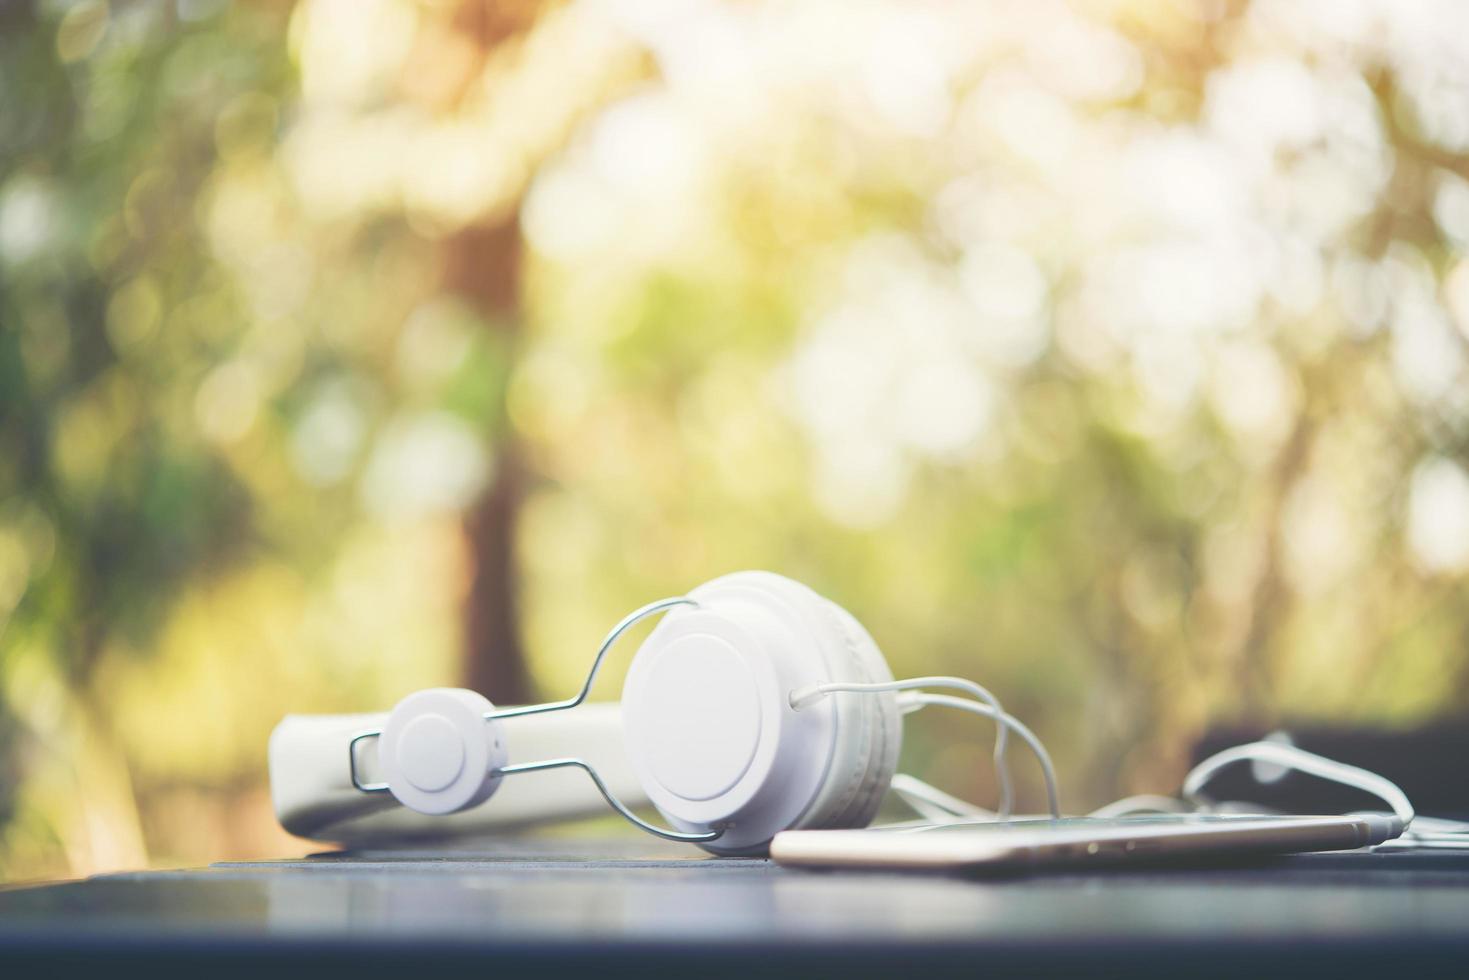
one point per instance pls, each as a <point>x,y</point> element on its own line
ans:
<point>934,804</point>
<point>918,697</point>
<point>1403,828</point>
<point>1291,757</point>
<point>1048,771</point>
<point>942,809</point>
<point>805,696</point>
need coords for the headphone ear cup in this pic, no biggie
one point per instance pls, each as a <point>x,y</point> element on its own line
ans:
<point>438,753</point>
<point>869,739</point>
<point>712,734</point>
<point>869,726</point>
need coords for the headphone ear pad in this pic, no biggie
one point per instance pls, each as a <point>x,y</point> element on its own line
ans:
<point>871,734</point>
<point>712,734</point>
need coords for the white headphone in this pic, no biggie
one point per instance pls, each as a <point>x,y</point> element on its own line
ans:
<point>755,706</point>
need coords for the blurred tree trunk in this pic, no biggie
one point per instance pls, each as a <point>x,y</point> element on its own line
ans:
<point>494,661</point>
<point>483,264</point>
<point>455,45</point>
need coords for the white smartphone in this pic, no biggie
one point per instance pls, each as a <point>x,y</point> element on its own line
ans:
<point>1072,841</point>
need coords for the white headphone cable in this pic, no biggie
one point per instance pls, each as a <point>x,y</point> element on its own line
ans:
<point>1291,757</point>
<point>934,804</point>
<point>917,697</point>
<point>1048,771</point>
<point>941,808</point>
<point>807,695</point>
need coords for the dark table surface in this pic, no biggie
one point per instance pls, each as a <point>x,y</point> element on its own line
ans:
<point>638,907</point>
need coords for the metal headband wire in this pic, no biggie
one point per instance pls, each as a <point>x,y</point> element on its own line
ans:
<point>611,638</point>
<point>608,642</point>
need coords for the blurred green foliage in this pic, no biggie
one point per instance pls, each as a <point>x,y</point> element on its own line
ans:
<point>112,308</point>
